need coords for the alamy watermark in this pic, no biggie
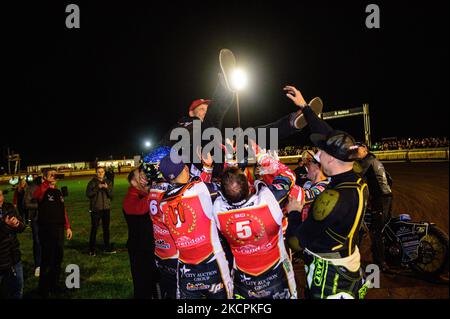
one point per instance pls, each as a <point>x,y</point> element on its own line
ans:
<point>73,18</point>
<point>373,275</point>
<point>373,19</point>
<point>187,145</point>
<point>73,277</point>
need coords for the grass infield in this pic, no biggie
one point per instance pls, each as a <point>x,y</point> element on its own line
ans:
<point>103,276</point>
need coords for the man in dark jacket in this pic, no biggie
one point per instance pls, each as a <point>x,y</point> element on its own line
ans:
<point>380,199</point>
<point>11,272</point>
<point>140,244</point>
<point>31,205</point>
<point>52,221</point>
<point>99,190</point>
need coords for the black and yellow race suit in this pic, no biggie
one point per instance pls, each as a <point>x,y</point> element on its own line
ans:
<point>330,235</point>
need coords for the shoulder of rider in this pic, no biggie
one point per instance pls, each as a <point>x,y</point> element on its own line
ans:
<point>325,204</point>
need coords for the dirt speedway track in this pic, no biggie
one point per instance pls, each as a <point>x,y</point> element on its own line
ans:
<point>421,190</point>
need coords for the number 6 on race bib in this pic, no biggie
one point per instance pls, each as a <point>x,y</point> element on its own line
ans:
<point>243,229</point>
<point>153,207</point>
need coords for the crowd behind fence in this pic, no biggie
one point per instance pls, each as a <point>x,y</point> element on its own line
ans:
<point>383,145</point>
<point>410,143</point>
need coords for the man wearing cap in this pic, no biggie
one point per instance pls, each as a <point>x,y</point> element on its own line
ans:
<point>300,171</point>
<point>329,235</point>
<point>317,182</point>
<point>210,112</point>
<point>380,200</point>
<point>187,209</point>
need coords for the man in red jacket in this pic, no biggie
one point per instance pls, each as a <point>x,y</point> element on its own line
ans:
<point>52,221</point>
<point>141,245</point>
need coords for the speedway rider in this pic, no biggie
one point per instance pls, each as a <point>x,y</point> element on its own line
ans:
<point>187,212</point>
<point>166,252</point>
<point>251,221</point>
<point>329,235</point>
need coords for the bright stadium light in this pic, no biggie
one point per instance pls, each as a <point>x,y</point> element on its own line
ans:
<point>148,144</point>
<point>239,79</point>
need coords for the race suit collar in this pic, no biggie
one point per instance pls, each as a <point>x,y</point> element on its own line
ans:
<point>349,176</point>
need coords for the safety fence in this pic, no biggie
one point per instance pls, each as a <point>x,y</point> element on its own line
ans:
<point>412,155</point>
<point>71,173</point>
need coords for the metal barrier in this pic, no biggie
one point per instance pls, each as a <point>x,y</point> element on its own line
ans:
<point>412,155</point>
<point>69,173</point>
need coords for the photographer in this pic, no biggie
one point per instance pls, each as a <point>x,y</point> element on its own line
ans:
<point>99,190</point>
<point>11,272</point>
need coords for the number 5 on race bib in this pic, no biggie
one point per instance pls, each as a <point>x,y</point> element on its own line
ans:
<point>243,229</point>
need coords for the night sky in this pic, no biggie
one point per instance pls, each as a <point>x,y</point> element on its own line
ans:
<point>133,68</point>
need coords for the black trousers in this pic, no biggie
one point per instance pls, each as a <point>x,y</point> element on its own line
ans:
<point>381,213</point>
<point>51,238</point>
<point>105,217</point>
<point>167,277</point>
<point>144,273</point>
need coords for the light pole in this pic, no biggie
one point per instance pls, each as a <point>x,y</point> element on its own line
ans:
<point>235,78</point>
<point>238,82</point>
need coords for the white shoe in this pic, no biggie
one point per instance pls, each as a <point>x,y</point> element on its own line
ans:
<point>316,105</point>
<point>37,272</point>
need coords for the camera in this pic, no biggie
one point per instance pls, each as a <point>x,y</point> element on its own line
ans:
<point>8,211</point>
<point>65,191</point>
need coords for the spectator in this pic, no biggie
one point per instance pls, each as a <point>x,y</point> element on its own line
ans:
<point>410,143</point>
<point>19,194</point>
<point>99,191</point>
<point>11,271</point>
<point>52,219</point>
<point>110,174</point>
<point>31,205</point>
<point>300,171</point>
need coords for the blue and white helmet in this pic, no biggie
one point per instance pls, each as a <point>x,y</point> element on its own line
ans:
<point>151,162</point>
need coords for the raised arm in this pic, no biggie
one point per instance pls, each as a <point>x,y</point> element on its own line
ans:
<point>316,124</point>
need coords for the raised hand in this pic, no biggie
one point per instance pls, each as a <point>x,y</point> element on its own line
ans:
<point>295,95</point>
<point>205,158</point>
<point>12,222</point>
